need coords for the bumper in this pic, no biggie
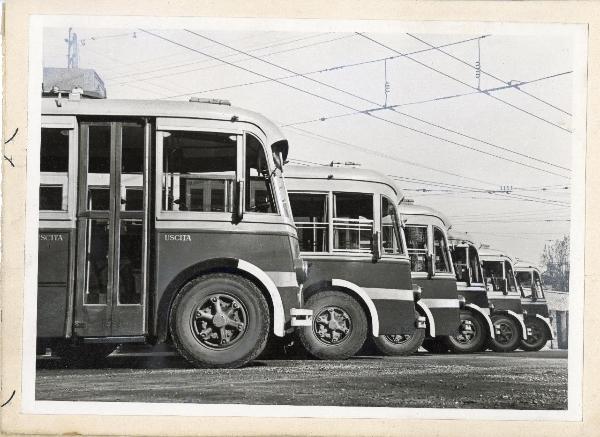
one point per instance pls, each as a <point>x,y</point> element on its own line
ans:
<point>301,317</point>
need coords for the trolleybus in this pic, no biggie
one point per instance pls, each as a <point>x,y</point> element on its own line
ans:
<point>503,294</point>
<point>432,270</point>
<point>533,300</point>
<point>164,221</point>
<point>473,336</point>
<point>359,282</point>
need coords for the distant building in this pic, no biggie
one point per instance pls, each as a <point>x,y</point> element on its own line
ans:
<point>558,305</point>
<point>64,80</point>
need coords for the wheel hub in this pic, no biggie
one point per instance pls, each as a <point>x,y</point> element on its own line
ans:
<point>398,338</point>
<point>332,325</point>
<point>466,332</point>
<point>219,321</point>
<point>504,333</point>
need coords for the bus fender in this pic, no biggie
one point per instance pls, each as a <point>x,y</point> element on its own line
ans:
<point>548,325</point>
<point>477,309</point>
<point>362,294</point>
<point>429,316</point>
<point>520,320</point>
<point>278,313</point>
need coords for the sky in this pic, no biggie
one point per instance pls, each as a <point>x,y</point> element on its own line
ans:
<point>497,162</point>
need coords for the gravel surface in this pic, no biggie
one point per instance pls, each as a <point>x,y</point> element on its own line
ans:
<point>519,380</point>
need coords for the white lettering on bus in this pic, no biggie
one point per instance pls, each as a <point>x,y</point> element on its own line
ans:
<point>178,237</point>
<point>51,237</point>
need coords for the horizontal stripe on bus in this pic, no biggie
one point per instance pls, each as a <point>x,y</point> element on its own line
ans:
<point>467,288</point>
<point>441,303</point>
<point>390,293</point>
<point>503,296</point>
<point>283,279</point>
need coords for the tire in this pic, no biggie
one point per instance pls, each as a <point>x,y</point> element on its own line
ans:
<point>468,341</point>
<point>219,320</point>
<point>84,354</point>
<point>539,335</point>
<point>400,345</point>
<point>338,340</point>
<point>509,338</point>
<point>435,345</point>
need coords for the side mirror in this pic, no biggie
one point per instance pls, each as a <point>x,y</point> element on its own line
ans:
<point>504,283</point>
<point>429,265</point>
<point>468,275</point>
<point>239,207</point>
<point>534,292</point>
<point>376,245</point>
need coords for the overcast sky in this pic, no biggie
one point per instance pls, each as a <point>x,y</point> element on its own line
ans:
<point>444,146</point>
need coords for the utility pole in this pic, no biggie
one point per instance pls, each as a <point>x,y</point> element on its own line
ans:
<point>73,50</point>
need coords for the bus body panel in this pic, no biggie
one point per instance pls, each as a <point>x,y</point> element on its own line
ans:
<point>396,315</point>
<point>440,296</point>
<point>54,260</point>
<point>474,294</point>
<point>506,303</point>
<point>269,252</point>
<point>537,307</point>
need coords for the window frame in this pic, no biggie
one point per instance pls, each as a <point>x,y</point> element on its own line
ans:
<point>52,179</point>
<point>376,206</point>
<point>400,230</point>
<point>328,219</point>
<point>164,124</point>
<point>428,250</point>
<point>450,272</point>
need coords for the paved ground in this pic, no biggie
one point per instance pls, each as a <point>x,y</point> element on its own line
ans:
<point>520,380</point>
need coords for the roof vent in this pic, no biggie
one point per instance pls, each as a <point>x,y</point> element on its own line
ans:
<point>210,101</point>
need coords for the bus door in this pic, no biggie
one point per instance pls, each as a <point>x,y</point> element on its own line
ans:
<point>112,229</point>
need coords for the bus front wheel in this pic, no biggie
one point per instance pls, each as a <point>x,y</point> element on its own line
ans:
<point>508,336</point>
<point>471,334</point>
<point>339,327</point>
<point>538,337</point>
<point>400,345</point>
<point>220,320</point>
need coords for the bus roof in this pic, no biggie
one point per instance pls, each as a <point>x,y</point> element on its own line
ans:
<point>340,173</point>
<point>490,254</point>
<point>409,208</point>
<point>160,108</point>
<point>526,265</point>
<point>463,237</point>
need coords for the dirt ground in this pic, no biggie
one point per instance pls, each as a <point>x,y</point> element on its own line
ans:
<point>518,380</point>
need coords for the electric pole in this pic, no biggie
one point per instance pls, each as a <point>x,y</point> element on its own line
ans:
<point>73,50</point>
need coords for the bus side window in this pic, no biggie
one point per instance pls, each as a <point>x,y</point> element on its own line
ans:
<point>199,170</point>
<point>352,222</point>
<point>539,290</point>
<point>475,266</point>
<point>416,242</point>
<point>524,279</point>
<point>440,251</point>
<point>259,191</point>
<point>310,216</point>
<point>390,226</point>
<point>54,169</point>
<point>510,277</point>
<point>459,257</point>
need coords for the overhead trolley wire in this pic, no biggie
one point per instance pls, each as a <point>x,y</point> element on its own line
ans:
<point>404,114</point>
<point>328,69</point>
<point>466,84</point>
<point>516,86</point>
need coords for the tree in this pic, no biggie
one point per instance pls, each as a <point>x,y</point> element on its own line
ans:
<point>555,261</point>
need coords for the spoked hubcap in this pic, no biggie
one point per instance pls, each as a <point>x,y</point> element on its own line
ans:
<point>219,321</point>
<point>504,332</point>
<point>332,325</point>
<point>398,338</point>
<point>466,332</point>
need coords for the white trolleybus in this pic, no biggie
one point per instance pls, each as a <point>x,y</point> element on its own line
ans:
<point>432,270</point>
<point>164,221</point>
<point>474,335</point>
<point>359,281</point>
<point>504,295</point>
<point>533,300</point>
